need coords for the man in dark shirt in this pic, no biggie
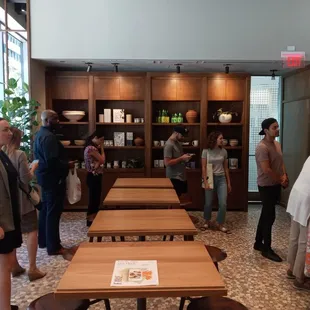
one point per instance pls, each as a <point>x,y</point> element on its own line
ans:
<point>51,175</point>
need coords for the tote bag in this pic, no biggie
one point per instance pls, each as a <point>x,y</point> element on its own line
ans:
<point>74,191</point>
<point>209,174</point>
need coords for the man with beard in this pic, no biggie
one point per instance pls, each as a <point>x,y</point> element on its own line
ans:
<point>271,175</point>
<point>51,176</point>
<point>175,160</point>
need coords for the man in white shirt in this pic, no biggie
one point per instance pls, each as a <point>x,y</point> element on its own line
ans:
<point>299,209</point>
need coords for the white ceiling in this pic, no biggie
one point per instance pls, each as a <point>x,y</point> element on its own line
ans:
<point>253,68</point>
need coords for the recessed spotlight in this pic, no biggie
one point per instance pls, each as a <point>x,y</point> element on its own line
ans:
<point>227,68</point>
<point>178,68</point>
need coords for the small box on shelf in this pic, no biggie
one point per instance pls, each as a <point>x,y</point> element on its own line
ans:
<point>107,115</point>
<point>119,138</point>
<point>129,138</point>
<point>118,116</point>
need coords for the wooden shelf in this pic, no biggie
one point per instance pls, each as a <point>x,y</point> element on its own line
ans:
<point>233,147</point>
<point>184,147</point>
<point>118,170</point>
<point>224,124</point>
<point>124,147</point>
<point>120,124</point>
<point>73,123</point>
<point>176,124</point>
<point>74,147</point>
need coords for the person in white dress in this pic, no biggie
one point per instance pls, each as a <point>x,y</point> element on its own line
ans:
<point>299,209</point>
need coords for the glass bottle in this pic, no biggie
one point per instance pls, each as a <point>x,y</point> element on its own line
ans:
<point>179,118</point>
<point>167,117</point>
<point>159,117</point>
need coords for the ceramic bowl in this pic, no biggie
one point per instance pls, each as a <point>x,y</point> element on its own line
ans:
<point>233,142</point>
<point>65,142</point>
<point>225,142</point>
<point>73,116</point>
<point>79,142</point>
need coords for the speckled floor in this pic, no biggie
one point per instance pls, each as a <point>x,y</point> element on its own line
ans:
<point>251,279</point>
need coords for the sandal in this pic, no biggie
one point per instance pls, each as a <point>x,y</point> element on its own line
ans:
<point>223,229</point>
<point>207,225</point>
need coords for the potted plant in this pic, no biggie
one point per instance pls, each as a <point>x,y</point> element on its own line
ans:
<point>224,116</point>
<point>20,112</point>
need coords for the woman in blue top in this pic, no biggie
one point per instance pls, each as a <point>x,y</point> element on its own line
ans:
<point>216,155</point>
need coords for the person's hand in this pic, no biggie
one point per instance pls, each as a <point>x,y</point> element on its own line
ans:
<point>71,164</point>
<point>186,157</point>
<point>100,142</point>
<point>34,165</point>
<point>284,181</point>
<point>1,233</point>
<point>207,185</point>
<point>229,189</point>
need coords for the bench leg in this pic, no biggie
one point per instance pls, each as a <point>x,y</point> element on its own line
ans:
<point>113,239</point>
<point>91,239</point>
<point>123,238</point>
<point>99,239</point>
<point>182,303</point>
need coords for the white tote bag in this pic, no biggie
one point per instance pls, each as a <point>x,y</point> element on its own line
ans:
<point>209,173</point>
<point>74,191</point>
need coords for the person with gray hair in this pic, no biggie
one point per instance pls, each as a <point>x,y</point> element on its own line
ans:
<point>51,175</point>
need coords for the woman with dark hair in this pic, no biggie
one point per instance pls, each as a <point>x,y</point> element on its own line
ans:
<point>216,155</point>
<point>94,158</point>
<point>29,219</point>
<point>10,232</point>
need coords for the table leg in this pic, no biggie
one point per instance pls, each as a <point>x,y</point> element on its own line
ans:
<point>141,238</point>
<point>188,238</point>
<point>113,239</point>
<point>171,238</point>
<point>141,304</point>
<point>99,239</point>
<point>122,238</point>
<point>91,239</point>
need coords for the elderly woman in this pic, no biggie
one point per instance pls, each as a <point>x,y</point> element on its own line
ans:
<point>299,209</point>
<point>29,220</point>
<point>10,231</point>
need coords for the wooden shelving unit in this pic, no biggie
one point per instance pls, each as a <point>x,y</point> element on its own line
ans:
<point>143,95</point>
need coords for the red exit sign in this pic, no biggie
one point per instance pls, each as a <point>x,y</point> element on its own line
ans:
<point>293,59</point>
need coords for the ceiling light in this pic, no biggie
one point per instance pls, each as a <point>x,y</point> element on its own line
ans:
<point>89,66</point>
<point>178,68</point>
<point>273,75</point>
<point>115,64</point>
<point>227,68</point>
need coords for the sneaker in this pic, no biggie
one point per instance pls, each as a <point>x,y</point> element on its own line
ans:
<point>301,286</point>
<point>258,246</point>
<point>270,254</point>
<point>289,275</point>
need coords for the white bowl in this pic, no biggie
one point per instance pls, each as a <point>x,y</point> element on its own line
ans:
<point>73,116</point>
<point>79,142</point>
<point>65,142</point>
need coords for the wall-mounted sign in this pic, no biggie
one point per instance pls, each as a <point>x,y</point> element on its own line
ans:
<point>293,59</point>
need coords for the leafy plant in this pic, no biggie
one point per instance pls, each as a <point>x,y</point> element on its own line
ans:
<point>220,112</point>
<point>20,112</point>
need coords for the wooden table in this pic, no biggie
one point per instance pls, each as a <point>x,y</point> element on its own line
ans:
<point>143,183</point>
<point>150,197</point>
<point>184,269</point>
<point>142,223</point>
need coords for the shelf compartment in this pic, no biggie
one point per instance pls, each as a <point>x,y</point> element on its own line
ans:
<point>124,147</point>
<point>176,124</point>
<point>73,123</point>
<point>119,170</point>
<point>120,124</point>
<point>184,147</point>
<point>232,147</point>
<point>74,147</point>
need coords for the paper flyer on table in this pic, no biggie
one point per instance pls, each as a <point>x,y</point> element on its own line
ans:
<point>135,273</point>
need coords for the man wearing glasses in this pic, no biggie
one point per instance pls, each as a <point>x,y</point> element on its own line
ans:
<point>175,160</point>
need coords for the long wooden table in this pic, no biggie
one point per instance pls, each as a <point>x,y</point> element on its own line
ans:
<point>150,197</point>
<point>142,223</point>
<point>142,183</point>
<point>184,269</point>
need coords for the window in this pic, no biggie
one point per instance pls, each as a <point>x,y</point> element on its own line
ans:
<point>264,103</point>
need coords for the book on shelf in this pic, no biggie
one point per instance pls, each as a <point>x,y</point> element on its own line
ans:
<point>118,116</point>
<point>119,138</point>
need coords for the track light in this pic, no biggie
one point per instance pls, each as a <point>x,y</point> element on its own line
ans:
<point>178,68</point>
<point>115,64</point>
<point>227,68</point>
<point>273,75</point>
<point>89,66</point>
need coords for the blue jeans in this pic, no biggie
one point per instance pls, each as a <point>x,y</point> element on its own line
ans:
<point>49,217</point>
<point>220,186</point>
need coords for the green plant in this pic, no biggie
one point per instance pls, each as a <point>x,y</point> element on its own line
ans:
<point>20,112</point>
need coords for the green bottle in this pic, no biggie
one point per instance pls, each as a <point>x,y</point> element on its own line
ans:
<point>179,118</point>
<point>167,117</point>
<point>173,118</point>
<point>159,117</point>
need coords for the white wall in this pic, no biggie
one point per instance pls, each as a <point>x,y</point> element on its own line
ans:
<point>168,29</point>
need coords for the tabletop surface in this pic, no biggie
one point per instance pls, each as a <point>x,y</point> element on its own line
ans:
<point>184,269</point>
<point>142,223</point>
<point>143,183</point>
<point>141,196</point>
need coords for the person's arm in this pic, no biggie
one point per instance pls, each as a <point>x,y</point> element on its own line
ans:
<point>204,162</point>
<point>168,154</point>
<point>100,158</point>
<point>25,174</point>
<point>226,169</point>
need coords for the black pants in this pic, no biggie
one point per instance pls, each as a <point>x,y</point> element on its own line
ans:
<point>269,195</point>
<point>49,217</point>
<point>94,183</point>
<point>179,186</point>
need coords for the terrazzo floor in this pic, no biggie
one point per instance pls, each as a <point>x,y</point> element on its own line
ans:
<point>251,279</point>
